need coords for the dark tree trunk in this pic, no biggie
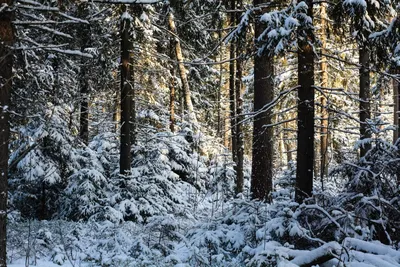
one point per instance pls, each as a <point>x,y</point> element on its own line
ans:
<point>239,130</point>
<point>232,102</point>
<point>42,208</point>
<point>305,115</point>
<point>126,98</point>
<point>239,111</point>
<point>84,113</point>
<point>172,86</point>
<point>84,36</point>
<point>396,98</point>
<point>262,164</point>
<point>365,96</point>
<point>396,115</point>
<point>6,65</point>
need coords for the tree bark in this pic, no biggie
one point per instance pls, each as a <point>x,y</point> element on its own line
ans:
<point>6,74</point>
<point>262,163</point>
<point>182,70</point>
<point>396,116</point>
<point>324,112</point>
<point>365,96</point>
<point>226,115</point>
<point>396,107</point>
<point>117,109</point>
<point>305,115</point>
<point>84,35</point>
<point>172,86</point>
<point>125,153</point>
<point>220,87</point>
<point>84,113</point>
<point>132,119</point>
<point>239,111</point>
<point>232,102</point>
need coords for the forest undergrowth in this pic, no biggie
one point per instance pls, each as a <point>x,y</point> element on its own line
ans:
<point>178,208</point>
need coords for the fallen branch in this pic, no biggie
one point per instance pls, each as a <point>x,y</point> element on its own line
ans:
<point>318,256</point>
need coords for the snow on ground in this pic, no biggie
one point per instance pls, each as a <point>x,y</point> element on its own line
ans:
<point>39,263</point>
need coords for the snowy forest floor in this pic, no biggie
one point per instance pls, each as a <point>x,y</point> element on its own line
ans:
<point>235,233</point>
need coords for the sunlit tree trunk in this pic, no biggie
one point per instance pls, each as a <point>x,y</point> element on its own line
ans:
<point>132,119</point>
<point>226,115</point>
<point>324,112</point>
<point>117,109</point>
<point>305,113</point>
<point>288,147</point>
<point>232,102</point>
<point>220,87</point>
<point>182,70</point>
<point>6,74</point>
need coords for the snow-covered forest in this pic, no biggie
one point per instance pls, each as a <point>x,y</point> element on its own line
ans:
<point>199,133</point>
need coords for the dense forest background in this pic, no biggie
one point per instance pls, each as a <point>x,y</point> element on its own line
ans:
<point>199,133</point>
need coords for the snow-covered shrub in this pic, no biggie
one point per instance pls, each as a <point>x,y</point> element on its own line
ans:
<point>106,146</point>
<point>370,201</point>
<point>84,194</point>
<point>221,240</point>
<point>222,176</point>
<point>285,183</point>
<point>166,178</point>
<point>55,174</point>
<point>43,162</point>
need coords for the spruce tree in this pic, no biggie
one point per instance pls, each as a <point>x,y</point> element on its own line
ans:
<point>263,145</point>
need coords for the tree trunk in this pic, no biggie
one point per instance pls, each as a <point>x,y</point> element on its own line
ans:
<point>172,86</point>
<point>262,164</point>
<point>117,109</point>
<point>220,87</point>
<point>396,101</point>
<point>305,113</point>
<point>84,36</point>
<point>6,74</point>
<point>226,115</point>
<point>132,119</point>
<point>324,112</point>
<point>288,148</point>
<point>232,102</point>
<point>239,111</point>
<point>182,70</point>
<point>396,117</point>
<point>365,96</point>
<point>84,113</point>
<point>182,104</point>
<point>125,153</point>
<point>42,212</point>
